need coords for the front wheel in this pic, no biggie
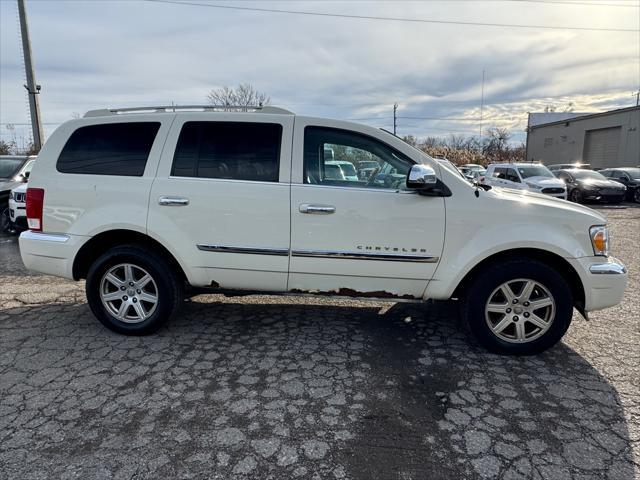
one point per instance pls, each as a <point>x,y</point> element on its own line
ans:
<point>132,290</point>
<point>636,195</point>
<point>5,219</point>
<point>575,196</point>
<point>519,307</point>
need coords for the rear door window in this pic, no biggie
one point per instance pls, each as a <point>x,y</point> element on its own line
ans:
<point>109,149</point>
<point>228,150</point>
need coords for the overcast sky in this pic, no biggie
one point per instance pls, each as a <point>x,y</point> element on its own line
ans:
<point>98,53</point>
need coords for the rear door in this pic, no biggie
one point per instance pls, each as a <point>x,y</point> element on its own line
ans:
<point>359,237</point>
<point>221,198</point>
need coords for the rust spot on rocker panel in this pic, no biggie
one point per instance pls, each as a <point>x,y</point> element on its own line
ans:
<point>349,292</point>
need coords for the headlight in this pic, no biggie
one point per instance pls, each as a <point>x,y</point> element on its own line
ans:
<point>600,240</point>
<point>534,186</point>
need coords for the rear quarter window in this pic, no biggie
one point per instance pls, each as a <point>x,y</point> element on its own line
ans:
<point>120,149</point>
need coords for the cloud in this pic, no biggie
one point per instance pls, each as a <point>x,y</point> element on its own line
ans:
<point>125,53</point>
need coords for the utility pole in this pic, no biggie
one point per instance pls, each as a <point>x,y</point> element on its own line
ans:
<point>31,86</point>
<point>481,105</point>
<point>395,109</point>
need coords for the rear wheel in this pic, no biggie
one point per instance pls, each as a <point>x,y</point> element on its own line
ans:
<point>519,307</point>
<point>133,291</point>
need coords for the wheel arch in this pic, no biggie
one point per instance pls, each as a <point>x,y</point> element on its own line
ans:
<point>564,268</point>
<point>100,243</point>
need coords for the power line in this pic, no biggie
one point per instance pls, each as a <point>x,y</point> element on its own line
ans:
<point>393,19</point>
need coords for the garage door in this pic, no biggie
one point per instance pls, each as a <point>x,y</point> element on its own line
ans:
<point>601,147</point>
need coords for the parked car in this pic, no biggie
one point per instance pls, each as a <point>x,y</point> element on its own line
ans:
<point>17,208</point>
<point>569,166</point>
<point>348,170</point>
<point>141,202</point>
<point>525,176</point>
<point>627,176</point>
<point>14,170</point>
<point>474,166</point>
<point>587,185</point>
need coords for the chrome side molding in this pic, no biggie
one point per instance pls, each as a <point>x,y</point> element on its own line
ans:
<point>365,256</point>
<point>45,237</point>
<point>283,252</point>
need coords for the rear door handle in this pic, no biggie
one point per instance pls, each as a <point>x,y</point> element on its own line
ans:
<point>317,209</point>
<point>173,201</point>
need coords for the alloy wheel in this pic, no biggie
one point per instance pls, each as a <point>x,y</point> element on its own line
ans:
<point>129,293</point>
<point>520,310</point>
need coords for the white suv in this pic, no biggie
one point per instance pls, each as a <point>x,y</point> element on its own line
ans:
<point>143,202</point>
<point>525,176</point>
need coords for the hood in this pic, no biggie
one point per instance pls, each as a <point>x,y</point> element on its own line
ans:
<point>545,181</point>
<point>22,188</point>
<point>596,183</point>
<point>547,205</point>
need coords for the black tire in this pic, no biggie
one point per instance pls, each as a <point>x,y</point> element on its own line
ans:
<point>636,195</point>
<point>168,285</point>
<point>481,288</point>
<point>5,219</point>
<point>575,196</point>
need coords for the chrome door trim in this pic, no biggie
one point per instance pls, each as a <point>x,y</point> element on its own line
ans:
<point>365,256</point>
<point>283,252</point>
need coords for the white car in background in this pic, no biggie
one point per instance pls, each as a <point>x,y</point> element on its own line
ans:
<point>525,176</point>
<point>18,208</point>
<point>348,169</point>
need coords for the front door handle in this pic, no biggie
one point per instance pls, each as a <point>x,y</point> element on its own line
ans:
<point>317,209</point>
<point>173,201</point>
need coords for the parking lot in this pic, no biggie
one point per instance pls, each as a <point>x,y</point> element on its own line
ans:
<point>284,387</point>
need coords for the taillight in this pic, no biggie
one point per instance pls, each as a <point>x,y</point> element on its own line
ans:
<point>35,205</point>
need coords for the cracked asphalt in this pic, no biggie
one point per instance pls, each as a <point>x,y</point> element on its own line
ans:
<point>267,387</point>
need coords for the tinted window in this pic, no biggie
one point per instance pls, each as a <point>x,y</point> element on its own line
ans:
<point>109,149</point>
<point>9,166</point>
<point>512,176</point>
<point>500,173</point>
<point>385,167</point>
<point>230,150</point>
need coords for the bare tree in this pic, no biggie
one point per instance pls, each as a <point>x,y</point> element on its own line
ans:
<point>244,95</point>
<point>6,147</point>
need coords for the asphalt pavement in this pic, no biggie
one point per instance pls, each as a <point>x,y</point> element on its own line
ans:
<point>267,387</point>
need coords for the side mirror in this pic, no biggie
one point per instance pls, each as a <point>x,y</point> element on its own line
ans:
<point>423,179</point>
<point>420,176</point>
<point>25,176</point>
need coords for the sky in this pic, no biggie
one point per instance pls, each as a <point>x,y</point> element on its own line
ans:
<point>92,54</point>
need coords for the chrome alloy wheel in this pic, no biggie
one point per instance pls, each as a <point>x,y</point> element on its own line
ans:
<point>129,293</point>
<point>520,310</point>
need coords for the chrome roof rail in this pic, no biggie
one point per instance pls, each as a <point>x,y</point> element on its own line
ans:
<point>186,108</point>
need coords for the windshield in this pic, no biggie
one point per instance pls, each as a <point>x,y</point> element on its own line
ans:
<point>9,166</point>
<point>535,171</point>
<point>348,169</point>
<point>586,174</point>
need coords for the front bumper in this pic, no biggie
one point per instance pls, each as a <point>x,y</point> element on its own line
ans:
<point>48,253</point>
<point>604,281</point>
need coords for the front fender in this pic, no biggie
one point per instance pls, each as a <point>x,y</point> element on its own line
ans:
<point>465,252</point>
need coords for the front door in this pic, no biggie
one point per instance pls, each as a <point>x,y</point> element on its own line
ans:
<point>221,201</point>
<point>366,236</point>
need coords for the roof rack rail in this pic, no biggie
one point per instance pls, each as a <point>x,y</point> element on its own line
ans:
<point>189,108</point>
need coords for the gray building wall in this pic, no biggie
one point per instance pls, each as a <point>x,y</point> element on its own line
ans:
<point>564,141</point>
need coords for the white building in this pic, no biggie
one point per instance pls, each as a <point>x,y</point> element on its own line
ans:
<point>608,139</point>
